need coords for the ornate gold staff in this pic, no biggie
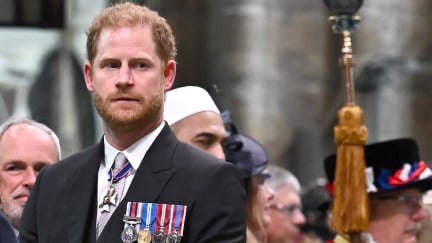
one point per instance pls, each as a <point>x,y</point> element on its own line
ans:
<point>350,212</point>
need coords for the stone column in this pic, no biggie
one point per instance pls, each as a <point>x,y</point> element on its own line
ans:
<point>390,45</point>
<point>268,56</point>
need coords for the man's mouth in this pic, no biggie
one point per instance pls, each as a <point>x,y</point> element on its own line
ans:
<point>23,197</point>
<point>125,99</point>
<point>413,229</point>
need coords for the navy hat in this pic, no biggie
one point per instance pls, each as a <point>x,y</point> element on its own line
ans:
<point>390,165</point>
<point>245,152</point>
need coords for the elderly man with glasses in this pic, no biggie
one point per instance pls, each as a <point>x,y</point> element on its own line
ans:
<point>285,209</point>
<point>396,181</point>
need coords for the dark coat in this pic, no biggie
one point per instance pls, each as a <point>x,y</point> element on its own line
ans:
<point>62,206</point>
<point>7,234</point>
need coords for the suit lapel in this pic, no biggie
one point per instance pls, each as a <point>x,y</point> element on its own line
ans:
<point>155,169</point>
<point>149,181</point>
<point>82,195</point>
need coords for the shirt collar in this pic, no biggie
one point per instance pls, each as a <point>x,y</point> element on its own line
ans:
<point>134,153</point>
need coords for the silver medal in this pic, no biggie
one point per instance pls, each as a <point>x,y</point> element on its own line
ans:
<point>129,234</point>
<point>173,238</point>
<point>159,237</point>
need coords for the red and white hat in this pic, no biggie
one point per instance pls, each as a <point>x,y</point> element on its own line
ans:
<point>390,165</point>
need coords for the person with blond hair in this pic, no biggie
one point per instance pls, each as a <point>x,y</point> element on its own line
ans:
<point>252,159</point>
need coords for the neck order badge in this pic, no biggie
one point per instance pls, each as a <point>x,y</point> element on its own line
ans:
<point>117,180</point>
<point>122,168</point>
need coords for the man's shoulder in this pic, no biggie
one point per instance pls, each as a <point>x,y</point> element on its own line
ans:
<point>77,160</point>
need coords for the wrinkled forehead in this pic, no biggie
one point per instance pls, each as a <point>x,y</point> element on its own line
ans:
<point>27,140</point>
<point>23,131</point>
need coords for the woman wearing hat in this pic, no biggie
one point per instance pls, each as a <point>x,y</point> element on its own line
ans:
<point>252,160</point>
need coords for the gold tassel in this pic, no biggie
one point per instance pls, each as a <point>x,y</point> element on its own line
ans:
<point>350,211</point>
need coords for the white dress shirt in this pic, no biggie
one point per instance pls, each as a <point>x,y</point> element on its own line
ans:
<point>134,153</point>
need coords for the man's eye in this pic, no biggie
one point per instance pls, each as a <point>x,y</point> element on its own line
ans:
<point>204,143</point>
<point>12,167</point>
<point>112,65</point>
<point>140,65</point>
<point>39,167</point>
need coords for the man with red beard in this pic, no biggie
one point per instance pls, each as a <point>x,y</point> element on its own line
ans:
<point>26,146</point>
<point>139,182</point>
<point>396,181</point>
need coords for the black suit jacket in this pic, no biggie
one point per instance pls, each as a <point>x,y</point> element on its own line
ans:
<point>62,206</point>
<point>7,234</point>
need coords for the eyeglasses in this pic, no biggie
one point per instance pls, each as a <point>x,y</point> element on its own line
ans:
<point>289,208</point>
<point>411,201</point>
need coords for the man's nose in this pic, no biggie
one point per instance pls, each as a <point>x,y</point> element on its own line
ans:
<point>29,178</point>
<point>217,151</point>
<point>124,76</point>
<point>298,217</point>
<point>420,214</point>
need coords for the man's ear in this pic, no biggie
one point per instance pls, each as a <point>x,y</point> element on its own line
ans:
<point>87,70</point>
<point>169,74</point>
